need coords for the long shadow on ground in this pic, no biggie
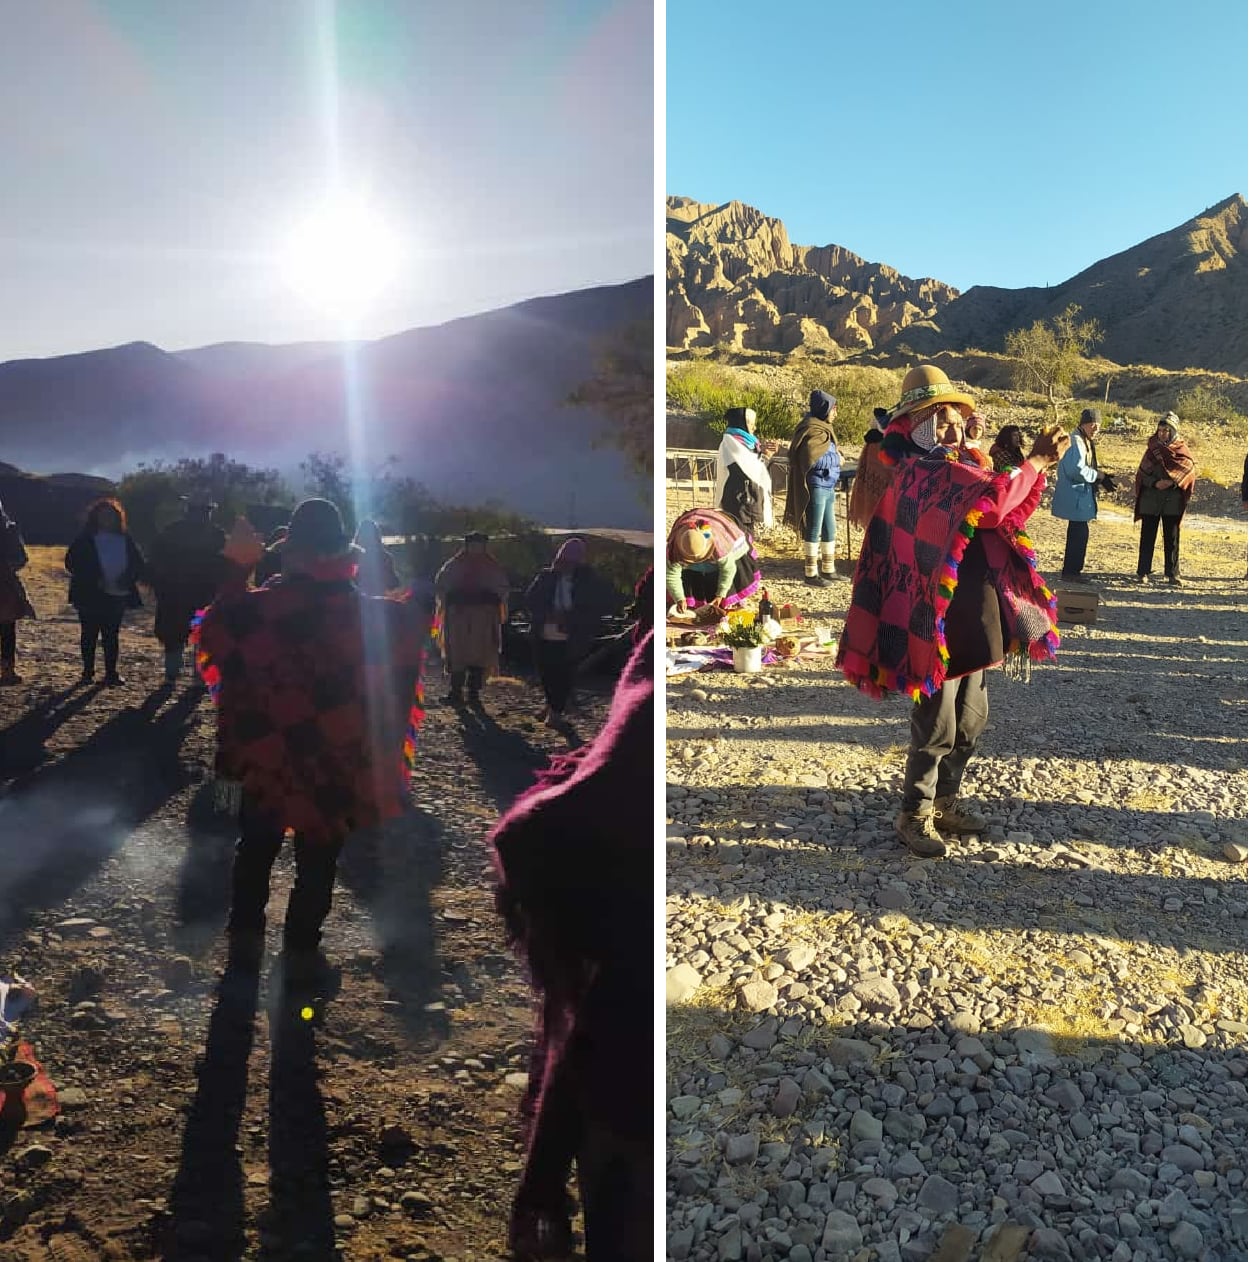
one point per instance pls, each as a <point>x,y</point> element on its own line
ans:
<point>60,822</point>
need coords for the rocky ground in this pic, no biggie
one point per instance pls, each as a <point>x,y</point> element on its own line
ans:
<point>1035,1047</point>
<point>208,1123</point>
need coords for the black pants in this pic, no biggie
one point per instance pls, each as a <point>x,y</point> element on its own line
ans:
<point>101,621</point>
<point>1077,547</point>
<point>555,665</point>
<point>1171,546</point>
<point>470,679</point>
<point>943,731</point>
<point>259,844</point>
<point>8,642</point>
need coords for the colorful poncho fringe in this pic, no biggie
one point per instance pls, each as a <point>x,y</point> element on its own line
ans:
<point>907,573</point>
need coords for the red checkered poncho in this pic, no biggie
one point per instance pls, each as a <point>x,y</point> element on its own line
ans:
<point>319,695</point>
<point>908,571</point>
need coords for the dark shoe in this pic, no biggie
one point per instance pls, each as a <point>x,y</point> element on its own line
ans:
<point>917,832</point>
<point>815,580</point>
<point>9,676</point>
<point>1142,579</point>
<point>475,700</point>
<point>305,968</point>
<point>535,1234</point>
<point>1174,580</point>
<point>949,819</point>
<point>87,677</point>
<point>114,681</point>
<point>453,698</point>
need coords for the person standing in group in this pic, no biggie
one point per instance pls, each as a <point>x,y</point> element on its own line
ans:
<point>473,590</point>
<point>1164,484</point>
<point>1075,495</point>
<point>709,561</point>
<point>742,484</point>
<point>872,475</point>
<point>1007,450</point>
<point>14,603</point>
<point>187,569</point>
<point>813,471</point>
<point>945,589</point>
<point>566,602</point>
<point>105,565</point>
<point>574,860</point>
<point>973,433</point>
<point>376,571</point>
<point>319,696</point>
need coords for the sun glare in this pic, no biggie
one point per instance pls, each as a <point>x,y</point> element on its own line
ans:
<point>341,258</point>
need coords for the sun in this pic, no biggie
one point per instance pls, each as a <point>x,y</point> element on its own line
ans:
<point>341,258</point>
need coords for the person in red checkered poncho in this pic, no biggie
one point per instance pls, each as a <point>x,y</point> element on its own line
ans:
<point>945,588</point>
<point>319,696</point>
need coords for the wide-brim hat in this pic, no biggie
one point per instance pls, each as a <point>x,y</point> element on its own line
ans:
<point>926,386</point>
<point>693,545</point>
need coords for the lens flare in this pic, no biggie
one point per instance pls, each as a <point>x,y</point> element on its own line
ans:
<point>341,258</point>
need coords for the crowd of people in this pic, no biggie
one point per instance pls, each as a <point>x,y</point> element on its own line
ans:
<point>315,656</point>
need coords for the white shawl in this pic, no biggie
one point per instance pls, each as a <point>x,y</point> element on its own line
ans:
<point>732,451</point>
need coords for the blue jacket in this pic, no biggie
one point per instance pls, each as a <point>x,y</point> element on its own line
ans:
<point>1075,496</point>
<point>825,471</point>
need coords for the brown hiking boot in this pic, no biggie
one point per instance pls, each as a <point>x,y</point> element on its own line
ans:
<point>949,819</point>
<point>917,832</point>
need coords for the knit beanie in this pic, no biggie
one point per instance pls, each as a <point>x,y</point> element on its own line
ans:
<point>1172,421</point>
<point>821,405</point>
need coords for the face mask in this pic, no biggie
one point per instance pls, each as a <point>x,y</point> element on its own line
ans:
<point>924,433</point>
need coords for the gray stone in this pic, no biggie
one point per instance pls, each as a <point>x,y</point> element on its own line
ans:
<point>842,1235</point>
<point>893,899</point>
<point>762,1037</point>
<point>730,1245</point>
<point>883,1190</point>
<point>877,994</point>
<point>1066,1095</point>
<point>864,1126</point>
<point>1048,1243</point>
<point>679,1243</point>
<point>908,1166</point>
<point>1192,1036</point>
<point>685,1106</point>
<point>844,1052</point>
<point>741,1150</point>
<point>938,1195</point>
<point>1184,1157</point>
<point>758,996</point>
<point>1235,852</point>
<point>1048,1184</point>
<point>1187,1241</point>
<point>682,983</point>
<point>965,1022</point>
<point>799,958</point>
<point>787,1097</point>
<point>1129,1180</point>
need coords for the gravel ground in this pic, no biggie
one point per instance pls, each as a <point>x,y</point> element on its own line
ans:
<point>1035,1047</point>
<point>203,1121</point>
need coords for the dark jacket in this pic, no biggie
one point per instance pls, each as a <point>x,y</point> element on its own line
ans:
<point>744,500</point>
<point>592,597</point>
<point>83,563</point>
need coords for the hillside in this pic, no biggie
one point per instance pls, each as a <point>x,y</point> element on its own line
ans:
<point>1177,300</point>
<point>475,408</point>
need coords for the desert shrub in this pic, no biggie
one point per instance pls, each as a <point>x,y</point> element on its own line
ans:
<point>1209,403</point>
<point>708,390</point>
<point>858,391</point>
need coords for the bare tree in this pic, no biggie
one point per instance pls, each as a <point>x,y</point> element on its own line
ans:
<point>1048,356</point>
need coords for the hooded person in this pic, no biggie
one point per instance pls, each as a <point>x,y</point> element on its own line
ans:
<point>1164,484</point>
<point>973,435</point>
<point>813,472</point>
<point>186,570</point>
<point>742,483</point>
<point>271,563</point>
<point>1075,494</point>
<point>945,588</point>
<point>709,561</point>
<point>574,860</point>
<point>318,692</point>
<point>14,603</point>
<point>473,591</point>
<point>873,475</point>
<point>376,570</point>
<point>566,602</point>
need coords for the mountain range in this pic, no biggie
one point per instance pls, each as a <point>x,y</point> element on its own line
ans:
<point>1177,300</point>
<point>474,409</point>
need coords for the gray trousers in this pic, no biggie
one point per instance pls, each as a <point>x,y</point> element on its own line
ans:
<point>943,731</point>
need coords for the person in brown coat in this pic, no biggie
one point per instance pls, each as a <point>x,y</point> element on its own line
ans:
<point>813,471</point>
<point>14,603</point>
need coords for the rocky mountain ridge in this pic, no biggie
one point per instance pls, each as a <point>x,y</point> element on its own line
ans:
<point>1177,300</point>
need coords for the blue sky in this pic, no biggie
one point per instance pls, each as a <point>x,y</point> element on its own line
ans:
<point>977,143</point>
<point>156,154</point>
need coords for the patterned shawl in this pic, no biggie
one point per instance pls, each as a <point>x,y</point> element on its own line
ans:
<point>1166,460</point>
<point>319,697</point>
<point>723,531</point>
<point>907,572</point>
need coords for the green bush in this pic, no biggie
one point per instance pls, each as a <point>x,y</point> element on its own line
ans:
<point>1208,403</point>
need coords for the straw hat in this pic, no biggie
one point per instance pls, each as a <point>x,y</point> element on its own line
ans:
<point>926,386</point>
<point>693,545</point>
